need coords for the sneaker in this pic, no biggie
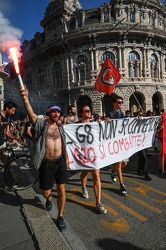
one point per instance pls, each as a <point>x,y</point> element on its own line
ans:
<point>85,193</point>
<point>48,205</point>
<point>148,178</point>
<point>100,208</point>
<point>61,224</point>
<point>123,191</point>
<point>113,175</point>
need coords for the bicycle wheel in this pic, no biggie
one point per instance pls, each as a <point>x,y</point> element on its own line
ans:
<point>19,173</point>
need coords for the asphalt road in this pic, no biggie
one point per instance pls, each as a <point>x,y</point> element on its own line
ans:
<point>137,221</point>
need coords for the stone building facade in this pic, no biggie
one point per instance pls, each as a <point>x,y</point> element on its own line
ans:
<point>3,76</point>
<point>62,63</point>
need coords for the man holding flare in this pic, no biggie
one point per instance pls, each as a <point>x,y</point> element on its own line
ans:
<point>50,156</point>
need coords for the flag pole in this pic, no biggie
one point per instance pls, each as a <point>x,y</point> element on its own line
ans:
<point>133,95</point>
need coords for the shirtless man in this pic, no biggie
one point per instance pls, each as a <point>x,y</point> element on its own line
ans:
<point>50,154</point>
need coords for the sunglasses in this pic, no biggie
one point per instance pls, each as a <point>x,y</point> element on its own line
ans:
<point>120,102</point>
<point>87,110</point>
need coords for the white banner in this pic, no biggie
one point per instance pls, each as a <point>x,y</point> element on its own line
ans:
<point>96,145</point>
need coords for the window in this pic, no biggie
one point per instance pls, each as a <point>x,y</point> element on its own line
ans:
<point>106,17</point>
<point>152,21</point>
<point>57,75</point>
<point>79,20</point>
<point>81,68</point>
<point>134,64</point>
<point>41,80</point>
<point>154,66</point>
<point>132,16</point>
<point>108,54</point>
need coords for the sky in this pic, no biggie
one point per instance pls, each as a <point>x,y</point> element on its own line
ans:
<point>20,19</point>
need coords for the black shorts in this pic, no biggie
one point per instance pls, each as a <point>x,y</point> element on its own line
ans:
<point>52,171</point>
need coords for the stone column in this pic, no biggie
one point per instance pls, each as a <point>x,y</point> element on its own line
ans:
<point>120,57</point>
<point>92,58</point>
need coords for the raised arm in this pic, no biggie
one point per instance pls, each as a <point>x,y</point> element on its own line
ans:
<point>24,95</point>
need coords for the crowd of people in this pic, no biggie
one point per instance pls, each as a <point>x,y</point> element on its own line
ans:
<point>51,158</point>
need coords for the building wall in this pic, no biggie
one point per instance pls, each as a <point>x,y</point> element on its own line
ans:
<point>62,63</point>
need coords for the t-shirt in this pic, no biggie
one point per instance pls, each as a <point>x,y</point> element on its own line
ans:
<point>4,121</point>
<point>114,114</point>
<point>28,124</point>
<point>69,121</point>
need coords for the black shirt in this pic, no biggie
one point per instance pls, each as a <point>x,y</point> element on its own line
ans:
<point>4,121</point>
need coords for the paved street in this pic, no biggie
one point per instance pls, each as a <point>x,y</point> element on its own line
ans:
<point>133,222</point>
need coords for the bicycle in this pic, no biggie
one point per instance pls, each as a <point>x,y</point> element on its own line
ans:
<point>19,173</point>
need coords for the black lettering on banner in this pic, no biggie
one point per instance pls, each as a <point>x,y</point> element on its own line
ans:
<point>137,125</point>
<point>142,125</point>
<point>155,123</point>
<point>107,130</point>
<point>124,124</point>
<point>87,137</point>
<point>145,125</point>
<point>131,126</point>
<point>69,140</point>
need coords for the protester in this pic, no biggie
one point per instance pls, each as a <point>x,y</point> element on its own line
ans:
<point>149,113</point>
<point>127,114</point>
<point>5,119</point>
<point>71,115</point>
<point>116,113</point>
<point>162,111</point>
<point>142,162</point>
<point>98,118</point>
<point>85,114</point>
<point>50,155</point>
<point>158,140</point>
<point>22,130</point>
<point>30,137</point>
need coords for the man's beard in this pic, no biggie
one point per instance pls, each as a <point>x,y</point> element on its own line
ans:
<point>54,119</point>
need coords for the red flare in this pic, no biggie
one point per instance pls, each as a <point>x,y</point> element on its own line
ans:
<point>14,55</point>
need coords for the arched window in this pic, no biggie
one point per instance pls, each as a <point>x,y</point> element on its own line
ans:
<point>134,64</point>
<point>110,55</point>
<point>132,16</point>
<point>106,16</point>
<point>41,79</point>
<point>154,66</point>
<point>79,20</point>
<point>81,68</point>
<point>57,75</point>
